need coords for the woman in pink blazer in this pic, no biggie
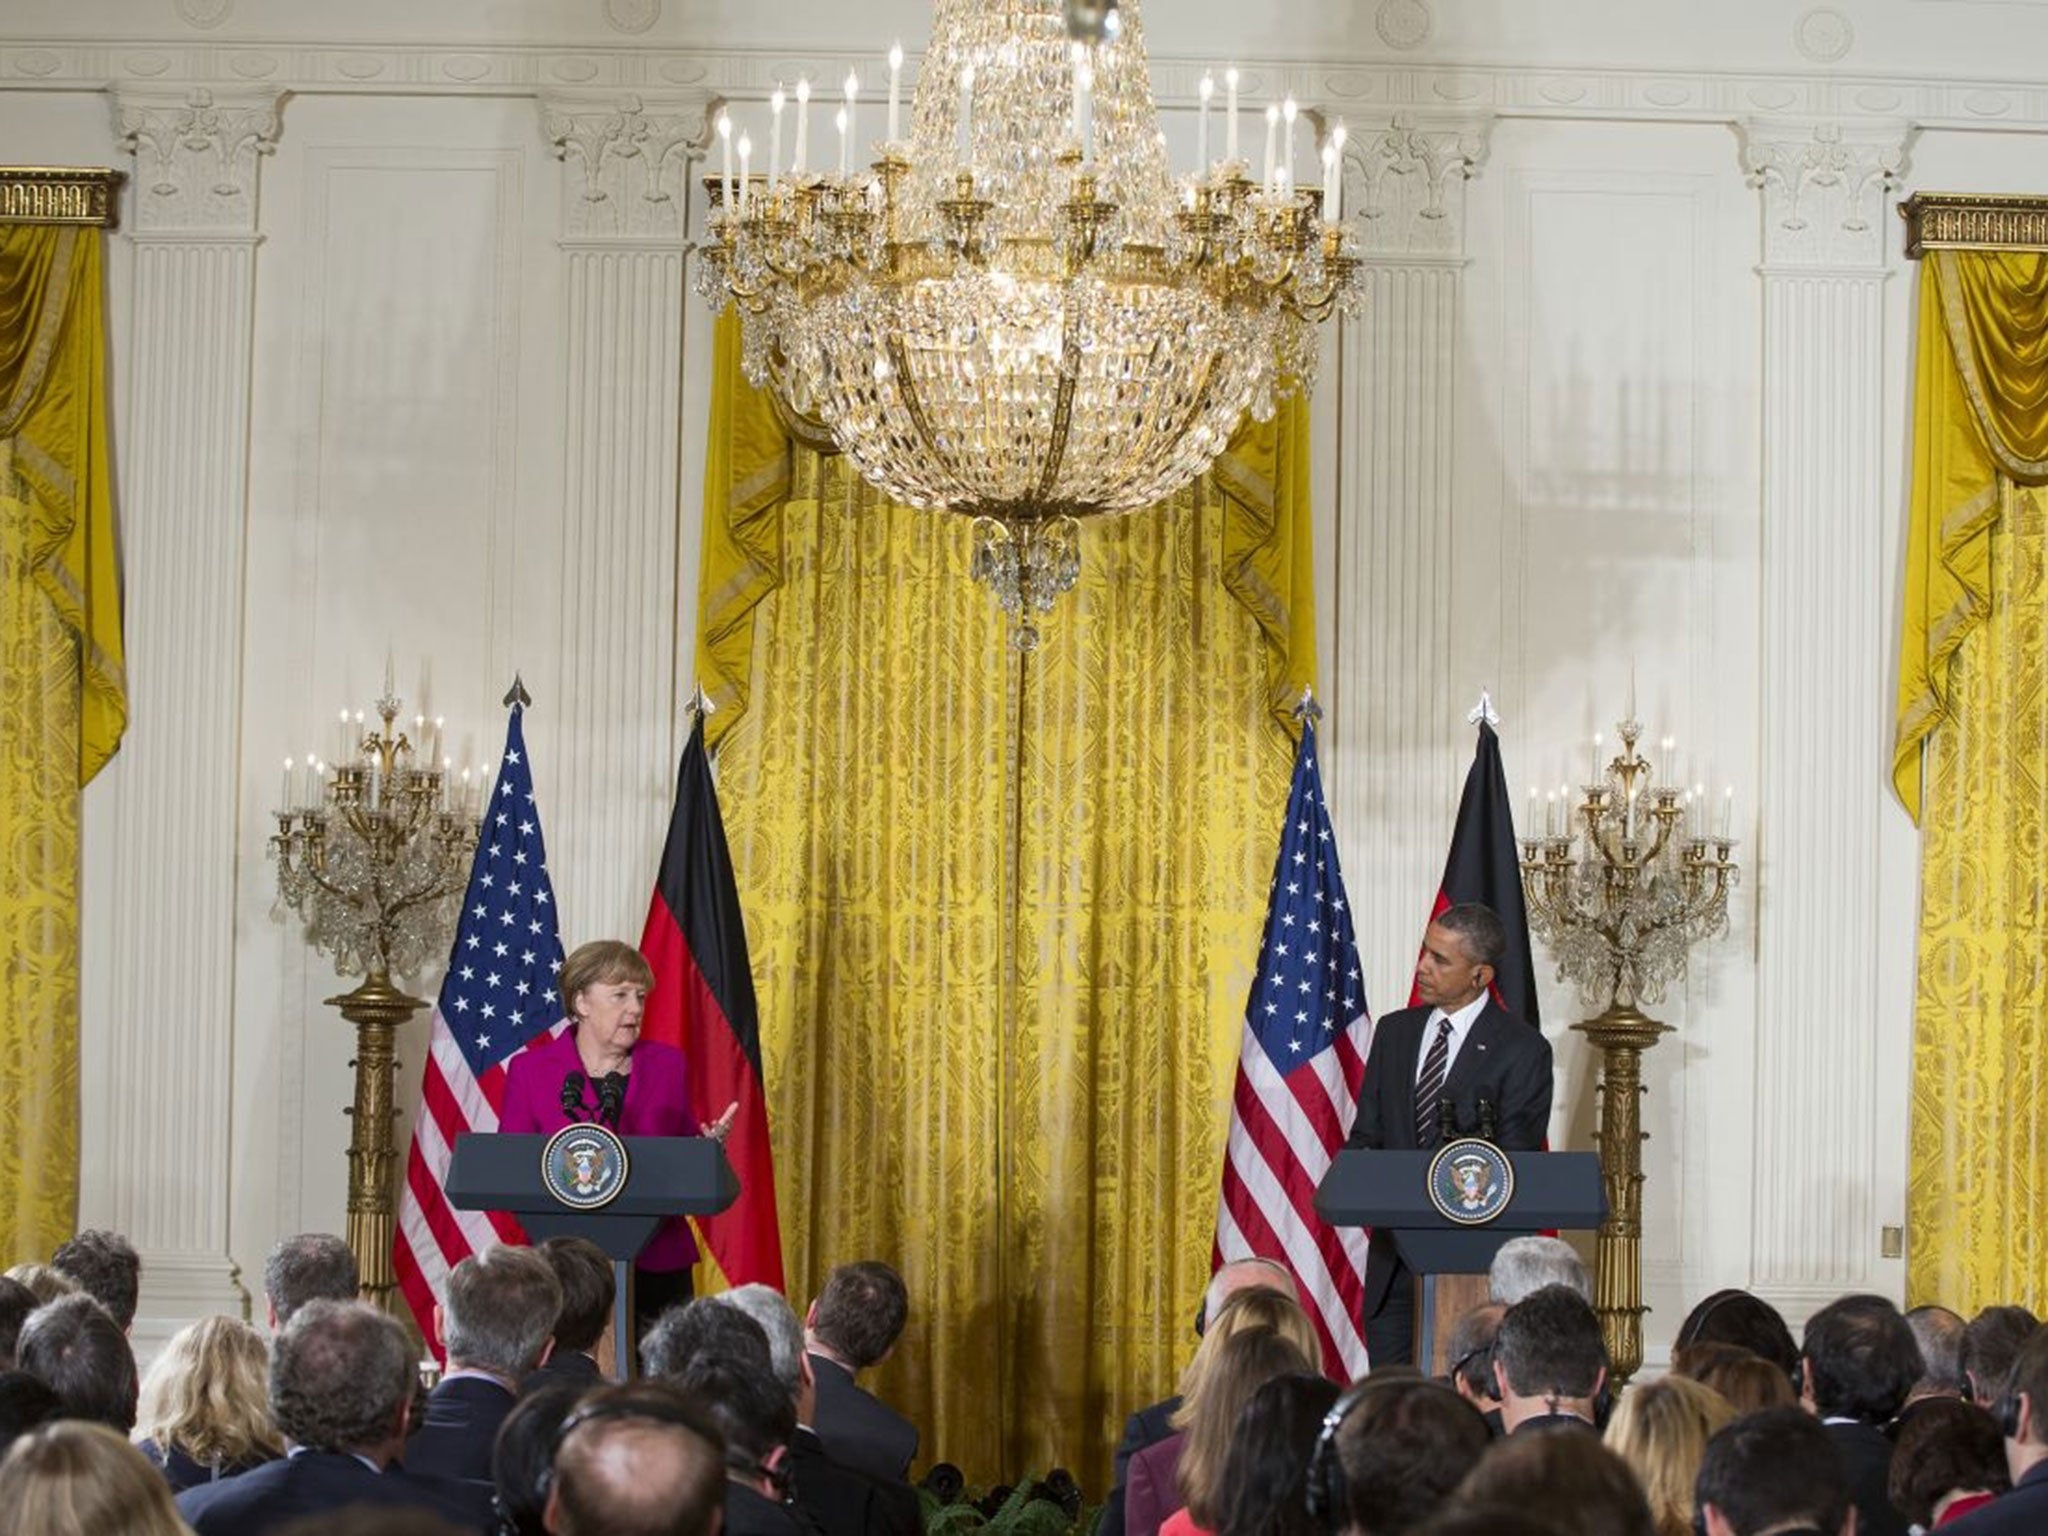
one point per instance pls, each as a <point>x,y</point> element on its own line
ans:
<point>599,1069</point>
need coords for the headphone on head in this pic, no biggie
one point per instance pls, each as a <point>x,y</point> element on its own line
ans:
<point>2007,1411</point>
<point>1324,1489</point>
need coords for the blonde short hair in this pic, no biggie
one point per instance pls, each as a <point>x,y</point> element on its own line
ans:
<point>1256,1335</point>
<point>75,1478</point>
<point>44,1283</point>
<point>208,1394</point>
<point>1661,1429</point>
<point>601,963</point>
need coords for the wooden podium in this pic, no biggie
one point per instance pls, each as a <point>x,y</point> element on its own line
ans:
<point>1553,1191</point>
<point>665,1176</point>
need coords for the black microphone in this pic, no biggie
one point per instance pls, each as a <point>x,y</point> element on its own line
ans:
<point>572,1095</point>
<point>611,1098</point>
<point>1486,1121</point>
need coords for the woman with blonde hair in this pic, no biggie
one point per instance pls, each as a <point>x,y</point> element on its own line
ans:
<point>1277,1337</point>
<point>74,1478</point>
<point>204,1412</point>
<point>1661,1429</point>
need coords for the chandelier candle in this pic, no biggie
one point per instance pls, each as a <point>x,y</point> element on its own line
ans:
<point>1208,89</point>
<point>746,155</point>
<point>1019,313</point>
<point>852,112</point>
<point>775,103</point>
<point>1230,116</point>
<point>895,89</point>
<point>803,128</point>
<point>1288,113</point>
<point>725,159</point>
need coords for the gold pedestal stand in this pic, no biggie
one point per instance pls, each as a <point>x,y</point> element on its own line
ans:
<point>1622,1034</point>
<point>377,1009</point>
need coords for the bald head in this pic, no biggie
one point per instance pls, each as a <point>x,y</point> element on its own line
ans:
<point>633,1468</point>
<point>1245,1275</point>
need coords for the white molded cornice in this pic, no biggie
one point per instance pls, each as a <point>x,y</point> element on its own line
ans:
<point>196,155</point>
<point>1825,188</point>
<point>628,161</point>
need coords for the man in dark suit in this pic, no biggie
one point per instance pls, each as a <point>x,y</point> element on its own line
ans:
<point>1772,1471</point>
<point>2022,1412</point>
<point>581,1352</point>
<point>1857,1362</point>
<point>341,1380</point>
<point>1463,1064</point>
<point>1549,1362</point>
<point>497,1323</point>
<point>841,1501</point>
<point>638,1460</point>
<point>854,1324</point>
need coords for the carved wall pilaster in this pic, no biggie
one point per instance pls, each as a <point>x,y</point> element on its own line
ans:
<point>157,1130</point>
<point>625,223</point>
<point>1405,183</point>
<point>1821,1025</point>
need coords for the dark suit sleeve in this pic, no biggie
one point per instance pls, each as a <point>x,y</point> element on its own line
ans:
<point>1367,1131</point>
<point>1526,1094</point>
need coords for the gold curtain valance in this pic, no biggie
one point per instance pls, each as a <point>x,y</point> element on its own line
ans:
<point>55,194</point>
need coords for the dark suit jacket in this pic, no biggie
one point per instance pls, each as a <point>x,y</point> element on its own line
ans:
<point>570,1365</point>
<point>1152,1488</point>
<point>461,1423</point>
<point>858,1428</point>
<point>842,1501</point>
<point>2022,1512</point>
<point>748,1513</point>
<point>314,1482</point>
<point>1867,1458</point>
<point>1504,1060</point>
<point>182,1471</point>
<point>1148,1426</point>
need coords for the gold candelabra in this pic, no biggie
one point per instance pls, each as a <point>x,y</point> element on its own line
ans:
<point>373,863</point>
<point>1636,876</point>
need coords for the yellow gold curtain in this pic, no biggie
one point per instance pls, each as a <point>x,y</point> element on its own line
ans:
<point>62,702</point>
<point>1972,766</point>
<point>1003,910</point>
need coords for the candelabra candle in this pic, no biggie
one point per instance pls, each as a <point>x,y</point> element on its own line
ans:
<point>1230,115</point>
<point>1207,90</point>
<point>1272,146</point>
<point>775,105</point>
<point>895,89</point>
<point>1288,113</point>
<point>803,127</point>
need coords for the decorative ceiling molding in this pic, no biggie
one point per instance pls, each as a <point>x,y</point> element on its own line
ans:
<point>1385,85</point>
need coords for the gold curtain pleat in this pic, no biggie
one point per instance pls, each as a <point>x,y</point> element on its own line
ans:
<point>1003,910</point>
<point>1971,765</point>
<point>62,701</point>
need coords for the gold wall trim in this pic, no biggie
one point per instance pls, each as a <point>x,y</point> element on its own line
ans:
<point>1958,221</point>
<point>55,194</point>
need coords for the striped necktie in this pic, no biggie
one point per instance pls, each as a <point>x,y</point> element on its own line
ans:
<point>1429,1087</point>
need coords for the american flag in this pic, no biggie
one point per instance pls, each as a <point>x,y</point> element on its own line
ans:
<point>1305,1035</point>
<point>498,999</point>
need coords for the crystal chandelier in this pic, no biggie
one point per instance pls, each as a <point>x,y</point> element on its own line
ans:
<point>1018,314</point>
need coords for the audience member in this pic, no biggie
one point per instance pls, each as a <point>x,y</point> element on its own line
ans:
<point>2022,1415</point>
<point>1151,1487</point>
<point>523,1456</point>
<point>341,1382</point>
<point>205,1407</point>
<point>1737,1317</point>
<point>1549,1362</point>
<point>697,1328</point>
<point>82,1479</point>
<point>1396,1453</point>
<point>757,1419</point>
<point>81,1352</point>
<point>841,1501</point>
<point>1209,1418</point>
<point>1470,1348</point>
<point>1777,1472</point>
<point>1661,1429</point>
<point>853,1325</point>
<point>1949,1460</point>
<point>107,1268</point>
<point>1153,1423</point>
<point>16,1302</point>
<point>1747,1380</point>
<point>496,1322</point>
<point>1524,1265</point>
<point>26,1403</point>
<point>1939,1334</point>
<point>582,1349</point>
<point>1582,1488</point>
<point>1858,1361</point>
<point>1487,1520</point>
<point>1991,1343</point>
<point>313,1266</point>
<point>639,1460</point>
<point>43,1282</point>
<point>1263,1487</point>
<point>371,1521</point>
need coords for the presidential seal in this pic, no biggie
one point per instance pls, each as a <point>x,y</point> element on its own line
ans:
<point>584,1166</point>
<point>1470,1182</point>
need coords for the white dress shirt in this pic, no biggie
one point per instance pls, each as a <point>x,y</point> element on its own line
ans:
<point>1461,1026</point>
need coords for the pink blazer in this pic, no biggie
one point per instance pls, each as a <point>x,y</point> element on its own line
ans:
<point>1151,1489</point>
<point>656,1105</point>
